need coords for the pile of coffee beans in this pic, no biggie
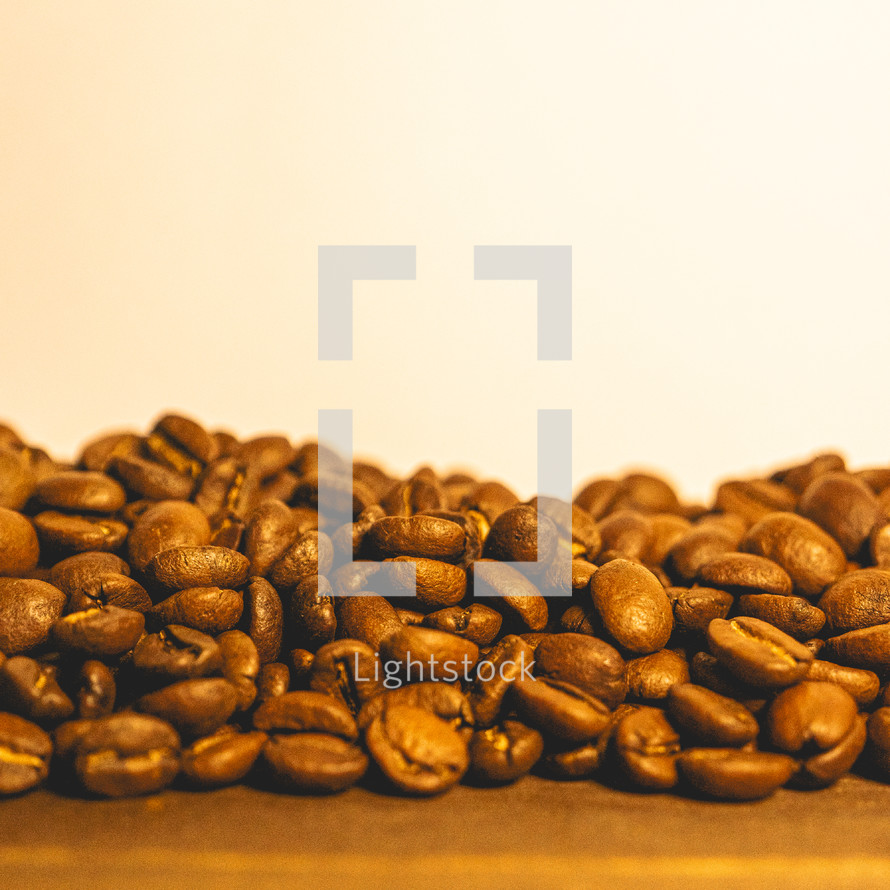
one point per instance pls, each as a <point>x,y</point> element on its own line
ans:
<point>173,609</point>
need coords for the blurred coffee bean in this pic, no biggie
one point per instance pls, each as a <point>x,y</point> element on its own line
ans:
<point>25,751</point>
<point>314,763</point>
<point>731,774</point>
<point>503,753</point>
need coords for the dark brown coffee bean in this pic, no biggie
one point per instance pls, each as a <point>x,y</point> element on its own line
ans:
<point>856,600</point>
<point>792,615</point>
<point>651,677</point>
<point>516,536</point>
<point>513,594</point>
<point>416,751</point>
<point>314,763</point>
<point>368,618</point>
<point>809,555</point>
<point>348,670</point>
<point>180,568</point>
<point>306,711</point>
<point>109,589</point>
<point>436,584</point>
<point>79,533</point>
<point>195,707</point>
<point>843,506</point>
<point>127,754</point>
<point>149,479</point>
<point>348,540</point>
<point>696,548</point>
<point>241,665</point>
<point>811,716</point>
<point>271,529</point>
<point>273,681</point>
<point>25,751</point>
<point>28,610</point>
<point>177,653</point>
<point>477,623</point>
<point>585,662</point>
<point>646,747</point>
<point>878,741</point>
<point>424,536</point>
<point>867,648</point>
<point>741,573</point>
<point>78,571</point>
<point>447,702</point>
<point>709,718</point>
<point>862,685</point>
<point>560,709</point>
<point>579,620</point>
<point>510,659</point>
<point>227,488</point>
<point>30,689</point>
<point>758,653</point>
<point>210,610</point>
<point>632,605</point>
<point>263,618</point>
<point>99,633</point>
<point>78,491</point>
<point>19,548</point>
<point>708,672</point>
<point>731,774</point>
<point>427,654</point>
<point>163,526</point>
<point>473,525</point>
<point>695,608</point>
<point>97,690</point>
<point>410,616</point>
<point>753,499</point>
<point>223,758</point>
<point>182,444</point>
<point>826,767</point>
<point>503,753</point>
<point>311,554</point>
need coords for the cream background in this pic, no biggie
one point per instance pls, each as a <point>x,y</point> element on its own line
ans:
<point>168,169</point>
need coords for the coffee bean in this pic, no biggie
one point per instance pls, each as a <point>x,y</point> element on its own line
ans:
<point>97,690</point>
<point>741,573</point>
<point>311,554</point>
<point>856,600</point>
<point>695,608</point>
<point>799,476</point>
<point>590,664</point>
<point>758,653</point>
<point>753,499</point>
<point>223,758</point>
<point>349,671</point>
<point>306,712</point>
<point>180,568</point>
<point>651,677</point>
<point>560,709</point>
<point>163,526</point>
<point>517,536</point>
<point>99,454</point>
<point>811,716</point>
<point>368,618</point>
<point>61,531</point>
<point>730,774</point>
<point>792,615</point>
<point>861,684</point>
<point>78,491</point>
<point>415,750</point>
<point>150,479</point>
<point>109,589</point>
<point>263,618</point>
<point>424,653</point>
<point>127,754</point>
<point>514,595</point>
<point>646,747</point>
<point>477,623</point>
<point>177,653</point>
<point>25,751</point>
<point>271,529</point>
<point>28,610</point>
<point>867,648</point>
<point>17,479</point>
<point>424,536</point>
<point>697,547</point>
<point>182,444</point>
<point>79,571</point>
<point>314,763</point>
<point>436,584</point>
<point>632,605</point>
<point>445,701</point>
<point>508,660</point>
<point>99,633</point>
<point>241,665</point>
<point>19,547</point>
<point>878,740</point>
<point>31,689</point>
<point>821,770</point>
<point>503,753</point>
<point>489,499</point>
<point>709,718</point>
<point>273,681</point>
<point>195,707</point>
<point>210,610</point>
<point>625,534</point>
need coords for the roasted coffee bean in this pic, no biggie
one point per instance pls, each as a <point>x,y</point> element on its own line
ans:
<point>513,594</point>
<point>223,758</point>
<point>127,754</point>
<point>646,747</point>
<point>227,488</point>
<point>96,691</point>
<point>311,554</point>
<point>349,538</point>
<point>856,600</point>
<point>475,528</point>
<point>415,750</point>
<point>811,557</point>
<point>811,716</point>
<point>742,573</point>
<point>210,610</point>
<point>78,491</point>
<point>28,610</point>
<point>314,763</point>
<point>78,571</point>
<point>843,506</point>
<point>632,605</point>
<point>588,663</point>
<point>625,534</point>
<point>263,618</point>
<point>368,618</point>
<point>349,671</point>
<point>476,622</point>
<point>181,568</point>
<point>582,572</point>
<point>241,665</point>
<point>273,681</point>
<point>30,689</point>
<point>510,659</point>
<point>109,589</point>
<point>878,740</point>
<point>799,476</point>
<point>489,499</point>
<point>427,654</point>
<point>177,653</point>
<point>25,751</point>
<point>301,661</point>
<point>195,707</point>
<point>731,774</point>
<point>668,529</point>
<point>436,584</point>
<point>758,653</point>
<point>19,548</point>
<point>163,526</point>
<point>99,454</point>
<point>792,615</point>
<point>79,533</point>
<point>753,499</point>
<point>826,767</point>
<point>517,536</point>
<point>579,620</point>
<point>410,616</point>
<point>560,709</point>
<point>646,493</point>
<point>867,648</point>
<point>99,633</point>
<point>306,711</point>
<point>17,479</point>
<point>706,671</point>
<point>709,718</point>
<point>879,545</point>
<point>503,753</point>
<point>861,684</point>
<point>445,701</point>
<point>695,608</point>
<point>271,529</point>
<point>697,547</point>
<point>415,495</point>
<point>419,535</point>
<point>651,677</point>
<point>182,444</point>
<point>150,479</point>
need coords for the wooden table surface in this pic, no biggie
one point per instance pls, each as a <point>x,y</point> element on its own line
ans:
<point>537,833</point>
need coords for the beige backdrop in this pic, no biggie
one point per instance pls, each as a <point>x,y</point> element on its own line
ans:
<point>168,169</point>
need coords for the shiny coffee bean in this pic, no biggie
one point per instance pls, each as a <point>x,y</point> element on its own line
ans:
<point>427,654</point>
<point>856,600</point>
<point>274,680</point>
<point>514,595</point>
<point>503,753</point>
<point>436,584</point>
<point>78,571</point>
<point>349,671</point>
<point>793,615</point>
<point>695,608</point>
<point>731,774</point>
<point>651,677</point>
<point>109,589</point>
<point>447,702</point>
<point>97,690</point>
<point>424,536</point>
<point>181,568</point>
<point>560,709</point>
<point>510,659</point>
<point>241,665</point>
<point>477,623</point>
<point>31,689</point>
<point>843,506</point>
<point>646,747</point>
<point>28,610</point>
<point>861,684</point>
<point>368,618</point>
<point>163,526</point>
<point>25,751</point>
<point>314,763</point>
<point>741,573</point>
<point>78,491</point>
<point>271,529</point>
<point>263,618</point>
<point>177,653</point>
<point>867,648</point>
<point>223,758</point>
<point>99,633</point>
<point>590,664</point>
<point>696,548</point>
<point>311,554</point>
<point>811,716</point>
<point>60,531</point>
<point>708,718</point>
<point>195,707</point>
<point>306,712</point>
<point>19,547</point>
<point>210,610</point>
